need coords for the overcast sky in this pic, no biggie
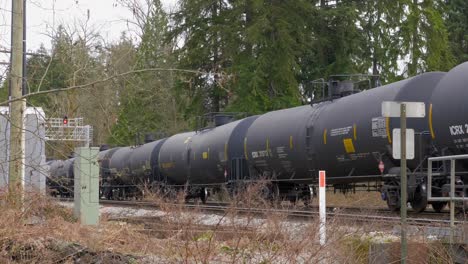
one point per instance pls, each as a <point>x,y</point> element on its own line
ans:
<point>107,16</point>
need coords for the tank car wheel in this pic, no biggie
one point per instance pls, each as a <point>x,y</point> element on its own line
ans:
<point>308,196</point>
<point>438,206</point>
<point>393,207</point>
<point>270,192</point>
<point>419,202</point>
<point>307,200</point>
<point>391,195</point>
<point>203,195</point>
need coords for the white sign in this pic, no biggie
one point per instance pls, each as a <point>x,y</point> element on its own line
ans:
<point>413,109</point>
<point>396,143</point>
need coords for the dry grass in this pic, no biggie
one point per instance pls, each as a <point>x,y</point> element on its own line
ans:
<point>45,232</point>
<point>358,199</point>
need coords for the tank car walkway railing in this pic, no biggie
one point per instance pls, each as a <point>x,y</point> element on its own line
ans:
<point>452,198</point>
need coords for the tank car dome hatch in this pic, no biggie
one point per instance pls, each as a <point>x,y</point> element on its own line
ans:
<point>104,147</point>
<point>448,111</point>
<point>149,137</point>
<point>222,119</point>
<point>345,88</point>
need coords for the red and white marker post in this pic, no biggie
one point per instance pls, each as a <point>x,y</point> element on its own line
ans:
<point>322,208</point>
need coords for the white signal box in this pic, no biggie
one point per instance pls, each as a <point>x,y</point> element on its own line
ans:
<point>413,109</point>
<point>396,143</point>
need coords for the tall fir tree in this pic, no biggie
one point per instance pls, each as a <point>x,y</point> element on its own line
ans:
<point>457,24</point>
<point>200,28</point>
<point>147,101</point>
<point>425,37</point>
<point>267,65</point>
<point>379,21</point>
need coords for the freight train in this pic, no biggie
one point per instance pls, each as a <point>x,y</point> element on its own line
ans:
<point>343,134</point>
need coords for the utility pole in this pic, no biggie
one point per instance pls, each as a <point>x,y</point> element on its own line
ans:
<point>24,49</point>
<point>17,108</point>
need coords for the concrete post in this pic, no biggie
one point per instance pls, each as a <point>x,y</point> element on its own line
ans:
<point>86,194</point>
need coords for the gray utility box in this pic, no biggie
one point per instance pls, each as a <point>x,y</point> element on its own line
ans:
<point>86,192</point>
<point>34,178</point>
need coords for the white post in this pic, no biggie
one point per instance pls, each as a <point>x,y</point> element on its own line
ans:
<point>322,208</point>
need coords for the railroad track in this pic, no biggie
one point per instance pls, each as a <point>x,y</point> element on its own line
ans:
<point>352,214</point>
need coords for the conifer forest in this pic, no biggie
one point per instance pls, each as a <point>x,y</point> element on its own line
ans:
<point>249,56</point>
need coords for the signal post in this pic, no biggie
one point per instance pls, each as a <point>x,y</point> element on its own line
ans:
<point>400,151</point>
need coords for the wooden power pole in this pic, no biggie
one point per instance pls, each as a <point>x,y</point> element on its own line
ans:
<point>17,107</point>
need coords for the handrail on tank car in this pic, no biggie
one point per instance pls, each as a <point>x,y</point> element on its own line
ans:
<point>367,77</point>
<point>452,196</point>
<point>333,78</point>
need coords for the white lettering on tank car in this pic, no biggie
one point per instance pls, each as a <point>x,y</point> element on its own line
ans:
<point>457,130</point>
<point>379,127</point>
<point>260,154</point>
<point>340,131</point>
<point>280,151</point>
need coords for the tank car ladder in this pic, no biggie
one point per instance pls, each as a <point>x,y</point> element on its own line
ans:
<point>311,156</point>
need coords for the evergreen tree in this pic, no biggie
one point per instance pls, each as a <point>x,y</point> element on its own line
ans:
<point>200,27</point>
<point>335,44</point>
<point>147,101</point>
<point>457,25</point>
<point>379,21</point>
<point>425,37</point>
<point>274,37</point>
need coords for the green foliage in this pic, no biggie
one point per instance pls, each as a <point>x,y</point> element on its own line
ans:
<point>267,63</point>
<point>4,90</point>
<point>457,26</point>
<point>204,29</point>
<point>336,39</point>
<point>147,102</point>
<point>251,56</point>
<point>380,48</point>
<point>37,68</point>
<point>425,37</point>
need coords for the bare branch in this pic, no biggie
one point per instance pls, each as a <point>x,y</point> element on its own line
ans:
<point>91,84</point>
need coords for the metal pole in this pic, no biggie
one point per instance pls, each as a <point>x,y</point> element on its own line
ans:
<point>404,198</point>
<point>429,179</point>
<point>17,108</point>
<point>452,202</point>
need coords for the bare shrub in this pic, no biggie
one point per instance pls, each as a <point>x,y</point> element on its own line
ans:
<point>47,232</point>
